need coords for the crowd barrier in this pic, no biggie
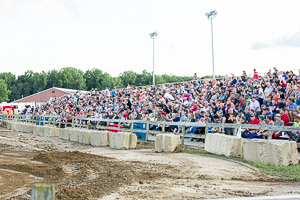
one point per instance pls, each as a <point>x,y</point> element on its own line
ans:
<point>98,132</point>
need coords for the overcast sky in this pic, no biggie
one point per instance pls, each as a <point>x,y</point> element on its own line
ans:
<point>113,35</point>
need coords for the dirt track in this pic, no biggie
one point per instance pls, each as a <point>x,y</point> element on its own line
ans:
<point>85,172</point>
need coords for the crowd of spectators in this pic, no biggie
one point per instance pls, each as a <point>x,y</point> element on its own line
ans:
<point>271,99</point>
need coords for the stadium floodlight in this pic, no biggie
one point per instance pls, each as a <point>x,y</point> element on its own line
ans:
<point>153,36</point>
<point>210,15</point>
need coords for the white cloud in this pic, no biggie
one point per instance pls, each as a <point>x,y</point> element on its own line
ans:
<point>282,41</point>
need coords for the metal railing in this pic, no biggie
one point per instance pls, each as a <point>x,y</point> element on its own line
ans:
<point>129,125</point>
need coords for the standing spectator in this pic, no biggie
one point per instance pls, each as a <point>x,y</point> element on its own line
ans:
<point>229,118</point>
<point>255,75</point>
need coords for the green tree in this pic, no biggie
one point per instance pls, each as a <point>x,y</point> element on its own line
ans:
<point>11,82</point>
<point>4,92</point>
<point>128,77</point>
<point>144,79</point>
<point>72,78</point>
<point>93,78</point>
<point>53,79</point>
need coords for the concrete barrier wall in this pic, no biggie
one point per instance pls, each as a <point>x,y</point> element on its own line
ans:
<point>122,140</point>
<point>2,123</point>
<point>133,141</point>
<point>18,127</point>
<point>119,140</point>
<point>64,133</point>
<point>80,136</point>
<point>9,125</point>
<point>27,128</point>
<point>276,152</point>
<point>99,138</point>
<point>223,144</point>
<point>36,130</point>
<point>74,135</point>
<point>47,131</point>
<point>86,137</point>
<point>166,142</point>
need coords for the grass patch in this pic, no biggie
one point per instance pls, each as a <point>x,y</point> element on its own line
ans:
<point>290,172</point>
<point>144,145</point>
<point>285,172</point>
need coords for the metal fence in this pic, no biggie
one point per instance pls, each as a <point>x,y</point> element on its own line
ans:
<point>131,125</point>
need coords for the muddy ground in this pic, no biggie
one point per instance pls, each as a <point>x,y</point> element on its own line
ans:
<point>85,172</point>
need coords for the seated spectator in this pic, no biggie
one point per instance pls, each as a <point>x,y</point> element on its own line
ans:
<point>277,122</point>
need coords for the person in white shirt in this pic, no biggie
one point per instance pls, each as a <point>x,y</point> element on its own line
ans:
<point>268,89</point>
<point>261,95</point>
<point>254,105</point>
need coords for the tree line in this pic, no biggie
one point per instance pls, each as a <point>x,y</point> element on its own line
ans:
<point>14,87</point>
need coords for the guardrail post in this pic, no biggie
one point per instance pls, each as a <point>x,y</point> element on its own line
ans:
<point>131,127</point>
<point>234,131</point>
<point>72,121</point>
<point>88,124</point>
<point>163,129</point>
<point>206,130</point>
<point>269,135</point>
<point>119,126</point>
<point>107,124</point>
<point>182,138</point>
<point>97,124</point>
<point>147,130</point>
<point>80,122</point>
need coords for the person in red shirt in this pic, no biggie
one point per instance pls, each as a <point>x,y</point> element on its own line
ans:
<point>194,107</point>
<point>253,121</point>
<point>126,116</point>
<point>284,117</point>
<point>255,76</point>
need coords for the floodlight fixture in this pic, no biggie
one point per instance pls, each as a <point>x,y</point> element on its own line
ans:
<point>211,14</point>
<point>153,35</point>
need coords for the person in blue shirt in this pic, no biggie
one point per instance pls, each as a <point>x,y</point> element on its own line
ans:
<point>292,105</point>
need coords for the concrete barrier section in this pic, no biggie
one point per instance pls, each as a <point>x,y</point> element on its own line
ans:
<point>99,138</point>
<point>223,144</point>
<point>49,131</point>
<point>2,123</point>
<point>18,126</point>
<point>36,129</point>
<point>276,152</point>
<point>9,125</point>
<point>119,140</point>
<point>86,137</point>
<point>80,136</point>
<point>166,142</point>
<point>13,126</point>
<point>74,135</point>
<point>27,128</point>
<point>133,141</point>
<point>171,142</point>
<point>159,143</point>
<point>66,133</point>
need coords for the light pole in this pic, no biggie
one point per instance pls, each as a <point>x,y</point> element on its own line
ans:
<point>153,36</point>
<point>210,15</point>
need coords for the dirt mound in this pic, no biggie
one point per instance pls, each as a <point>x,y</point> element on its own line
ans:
<point>79,175</point>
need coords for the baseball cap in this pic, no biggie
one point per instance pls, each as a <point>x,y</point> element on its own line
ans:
<point>277,115</point>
